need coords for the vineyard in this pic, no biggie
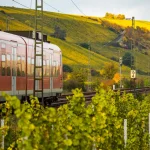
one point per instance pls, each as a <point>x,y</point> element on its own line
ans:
<point>76,125</point>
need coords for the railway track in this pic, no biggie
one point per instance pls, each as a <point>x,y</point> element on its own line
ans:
<point>88,95</point>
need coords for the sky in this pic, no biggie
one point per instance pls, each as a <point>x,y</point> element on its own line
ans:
<point>140,9</point>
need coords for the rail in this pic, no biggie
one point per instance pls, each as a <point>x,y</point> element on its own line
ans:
<point>88,95</point>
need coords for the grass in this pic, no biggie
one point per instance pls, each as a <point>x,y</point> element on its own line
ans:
<point>126,23</point>
<point>79,29</point>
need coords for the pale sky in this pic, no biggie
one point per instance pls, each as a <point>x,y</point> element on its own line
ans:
<point>140,9</point>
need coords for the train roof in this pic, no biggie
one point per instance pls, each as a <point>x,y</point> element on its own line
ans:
<point>19,39</point>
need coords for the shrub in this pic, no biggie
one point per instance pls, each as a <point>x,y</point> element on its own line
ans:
<point>85,45</point>
<point>71,84</point>
<point>114,59</point>
<point>76,125</point>
<point>59,33</point>
<point>127,58</point>
<point>67,68</point>
<point>95,72</point>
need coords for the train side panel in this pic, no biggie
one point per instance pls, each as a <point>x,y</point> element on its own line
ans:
<point>13,66</point>
<point>57,73</point>
<point>5,66</point>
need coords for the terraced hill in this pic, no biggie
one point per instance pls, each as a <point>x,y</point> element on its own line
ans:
<point>79,29</point>
<point>125,23</point>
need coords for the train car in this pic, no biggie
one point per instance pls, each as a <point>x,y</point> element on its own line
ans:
<point>17,67</point>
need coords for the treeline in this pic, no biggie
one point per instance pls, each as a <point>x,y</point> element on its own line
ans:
<point>113,16</point>
<point>140,37</point>
<point>112,26</point>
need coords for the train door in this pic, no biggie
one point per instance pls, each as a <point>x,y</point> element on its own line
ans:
<point>14,71</point>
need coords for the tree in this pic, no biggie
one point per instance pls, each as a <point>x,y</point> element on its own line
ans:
<point>121,16</point>
<point>59,33</point>
<point>76,79</point>
<point>116,77</point>
<point>109,70</point>
<point>27,22</point>
<point>127,58</point>
<point>109,15</point>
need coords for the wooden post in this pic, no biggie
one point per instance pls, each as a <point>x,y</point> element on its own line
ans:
<point>125,132</point>
<point>2,125</point>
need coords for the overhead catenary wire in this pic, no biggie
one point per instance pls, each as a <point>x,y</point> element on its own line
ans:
<point>46,4</point>
<point>52,7</point>
<point>20,3</point>
<point>30,6</point>
<point>62,22</point>
<point>59,11</point>
<point>107,44</point>
<point>89,56</point>
<point>78,7</point>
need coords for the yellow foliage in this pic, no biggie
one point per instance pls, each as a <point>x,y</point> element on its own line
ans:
<point>107,83</point>
<point>69,127</point>
<point>102,72</point>
<point>108,70</point>
<point>116,77</point>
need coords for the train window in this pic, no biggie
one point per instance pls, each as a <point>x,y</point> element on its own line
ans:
<point>19,70</point>
<point>23,66</point>
<point>3,58</point>
<point>29,66</point>
<point>44,68</point>
<point>14,51</point>
<point>39,72</point>
<point>14,61</point>
<point>47,68</point>
<point>32,66</point>
<point>8,65</point>
<point>18,58</point>
<point>50,68</point>
<point>40,62</point>
<point>55,68</point>
<point>23,59</point>
<point>60,63</point>
<point>29,60</point>
<point>44,63</point>
<point>3,45</point>
<point>3,63</point>
<point>32,61</point>
<point>8,57</point>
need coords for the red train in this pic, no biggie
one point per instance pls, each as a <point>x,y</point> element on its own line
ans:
<point>17,66</point>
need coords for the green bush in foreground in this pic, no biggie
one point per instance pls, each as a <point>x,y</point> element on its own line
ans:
<point>76,125</point>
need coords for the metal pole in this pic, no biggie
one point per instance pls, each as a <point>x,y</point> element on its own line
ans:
<point>132,51</point>
<point>89,68</point>
<point>120,64</point>
<point>132,43</point>
<point>38,78</point>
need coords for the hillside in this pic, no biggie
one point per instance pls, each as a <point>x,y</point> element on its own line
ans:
<point>126,23</point>
<point>79,29</point>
